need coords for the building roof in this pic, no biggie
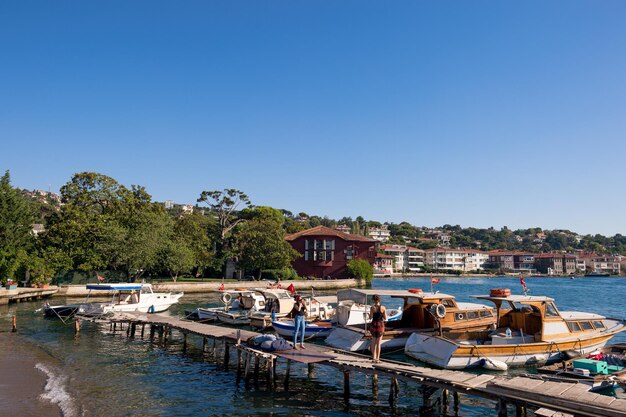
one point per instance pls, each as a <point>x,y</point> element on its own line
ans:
<point>327,231</point>
<point>555,255</point>
<point>382,255</point>
<point>443,250</point>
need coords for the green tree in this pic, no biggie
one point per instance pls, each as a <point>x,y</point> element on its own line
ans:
<point>16,219</point>
<point>360,269</point>
<point>260,244</point>
<point>176,257</point>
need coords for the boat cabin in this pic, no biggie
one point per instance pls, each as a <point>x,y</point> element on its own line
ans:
<point>277,298</point>
<point>537,317</point>
<point>427,310</point>
<point>122,293</point>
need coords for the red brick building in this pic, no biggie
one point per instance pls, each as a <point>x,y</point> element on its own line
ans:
<point>326,252</point>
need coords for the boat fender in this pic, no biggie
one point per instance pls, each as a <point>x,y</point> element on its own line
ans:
<point>151,309</point>
<point>570,354</point>
<point>493,364</point>
<point>226,297</point>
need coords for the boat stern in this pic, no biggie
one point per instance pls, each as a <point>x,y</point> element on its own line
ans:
<point>433,350</point>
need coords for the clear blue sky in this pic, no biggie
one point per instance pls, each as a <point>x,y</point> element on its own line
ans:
<point>473,113</point>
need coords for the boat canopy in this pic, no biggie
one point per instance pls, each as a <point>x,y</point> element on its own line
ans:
<point>516,298</point>
<point>365,296</point>
<point>115,287</point>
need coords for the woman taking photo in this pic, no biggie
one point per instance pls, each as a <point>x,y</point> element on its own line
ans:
<point>378,313</point>
<point>299,312</point>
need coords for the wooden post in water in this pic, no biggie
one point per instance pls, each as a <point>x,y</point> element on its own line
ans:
<point>143,328</point>
<point>114,327</point>
<point>238,337</point>
<point>444,401</point>
<point>501,408</point>
<point>238,361</point>
<point>346,385</point>
<point>256,369</point>
<point>77,325</point>
<point>14,324</point>
<point>456,402</point>
<point>246,367</point>
<point>133,329</point>
<point>185,342</point>
<point>226,355</point>
<point>151,332</point>
<point>287,372</point>
<point>270,373</point>
<point>375,388</point>
<point>311,370</point>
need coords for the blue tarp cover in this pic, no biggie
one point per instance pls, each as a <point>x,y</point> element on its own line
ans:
<point>114,287</point>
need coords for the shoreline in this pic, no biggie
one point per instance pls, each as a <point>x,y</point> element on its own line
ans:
<point>26,386</point>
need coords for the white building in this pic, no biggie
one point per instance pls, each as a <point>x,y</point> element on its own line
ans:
<point>381,233</point>
<point>456,259</point>
<point>405,258</point>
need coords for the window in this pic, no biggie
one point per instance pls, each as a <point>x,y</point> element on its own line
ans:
<point>448,303</point>
<point>586,325</point>
<point>551,310</point>
<point>573,326</point>
<point>319,250</point>
<point>472,315</point>
<point>485,313</point>
<point>598,324</point>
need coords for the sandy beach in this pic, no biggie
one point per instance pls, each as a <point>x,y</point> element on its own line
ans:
<point>21,382</point>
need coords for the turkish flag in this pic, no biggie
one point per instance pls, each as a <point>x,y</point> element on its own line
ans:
<point>435,280</point>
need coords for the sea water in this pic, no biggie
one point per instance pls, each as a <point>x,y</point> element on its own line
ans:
<point>100,373</point>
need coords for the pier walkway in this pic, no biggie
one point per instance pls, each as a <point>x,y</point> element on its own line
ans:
<point>552,398</point>
<point>26,294</point>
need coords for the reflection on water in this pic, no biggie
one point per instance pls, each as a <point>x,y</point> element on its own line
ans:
<point>109,374</point>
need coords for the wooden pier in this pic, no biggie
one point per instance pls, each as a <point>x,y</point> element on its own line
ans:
<point>548,398</point>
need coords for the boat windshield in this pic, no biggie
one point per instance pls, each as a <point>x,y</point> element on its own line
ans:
<point>551,310</point>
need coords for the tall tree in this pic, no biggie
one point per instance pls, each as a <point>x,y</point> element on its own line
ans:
<point>16,219</point>
<point>261,244</point>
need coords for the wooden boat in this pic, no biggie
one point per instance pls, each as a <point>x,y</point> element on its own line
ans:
<point>602,369</point>
<point>421,311</point>
<point>351,312</point>
<point>318,307</point>
<point>530,331</point>
<point>125,297</point>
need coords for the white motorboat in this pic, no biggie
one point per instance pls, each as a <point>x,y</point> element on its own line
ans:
<point>239,305</point>
<point>530,331</point>
<point>421,312</point>
<point>352,312</point>
<point>125,297</point>
<point>277,299</point>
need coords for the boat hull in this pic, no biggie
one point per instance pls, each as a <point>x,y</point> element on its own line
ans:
<point>357,341</point>
<point>445,353</point>
<point>311,329</point>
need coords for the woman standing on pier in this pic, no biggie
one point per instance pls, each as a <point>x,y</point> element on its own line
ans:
<point>299,312</point>
<point>378,313</point>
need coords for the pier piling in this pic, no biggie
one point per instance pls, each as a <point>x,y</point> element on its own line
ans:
<point>13,324</point>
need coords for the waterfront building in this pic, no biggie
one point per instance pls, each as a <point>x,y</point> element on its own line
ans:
<point>326,252</point>
<point>383,264</point>
<point>464,260</point>
<point>406,258</point>
<point>556,263</point>
<point>511,261</point>
<point>606,265</point>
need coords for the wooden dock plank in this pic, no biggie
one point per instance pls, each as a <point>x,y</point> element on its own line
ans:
<point>478,380</point>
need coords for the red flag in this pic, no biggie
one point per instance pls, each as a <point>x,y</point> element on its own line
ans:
<point>291,288</point>
<point>100,278</point>
<point>435,280</point>
<point>521,281</point>
<point>222,287</point>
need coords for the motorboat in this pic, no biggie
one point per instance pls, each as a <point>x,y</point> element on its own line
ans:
<point>425,312</point>
<point>232,301</point>
<point>312,329</point>
<point>530,331</point>
<point>351,312</point>
<point>124,297</point>
<point>601,369</point>
<point>277,299</point>
<point>239,305</point>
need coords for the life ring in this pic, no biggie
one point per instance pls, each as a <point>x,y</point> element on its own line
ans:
<point>226,297</point>
<point>416,290</point>
<point>440,311</point>
<point>499,292</point>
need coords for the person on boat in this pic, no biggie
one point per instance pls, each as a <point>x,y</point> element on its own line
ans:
<point>299,312</point>
<point>378,313</point>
